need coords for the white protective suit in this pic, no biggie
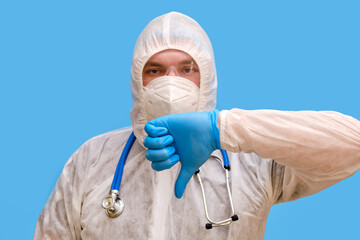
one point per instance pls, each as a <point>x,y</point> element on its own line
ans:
<point>312,150</point>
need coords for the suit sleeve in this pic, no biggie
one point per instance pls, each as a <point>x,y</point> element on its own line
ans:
<point>318,149</point>
<point>60,218</point>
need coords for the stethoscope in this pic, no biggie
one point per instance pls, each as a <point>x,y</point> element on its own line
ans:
<point>114,206</point>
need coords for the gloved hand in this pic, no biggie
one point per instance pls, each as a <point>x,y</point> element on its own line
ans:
<point>188,137</point>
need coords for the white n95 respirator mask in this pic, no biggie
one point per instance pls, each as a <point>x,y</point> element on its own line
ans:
<point>170,94</point>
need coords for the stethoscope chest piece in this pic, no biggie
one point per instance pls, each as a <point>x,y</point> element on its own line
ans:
<point>113,205</point>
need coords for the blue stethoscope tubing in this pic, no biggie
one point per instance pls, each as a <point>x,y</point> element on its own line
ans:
<point>113,204</point>
<point>226,158</point>
<point>120,167</point>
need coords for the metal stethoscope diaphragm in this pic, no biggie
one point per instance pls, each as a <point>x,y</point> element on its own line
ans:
<point>113,205</point>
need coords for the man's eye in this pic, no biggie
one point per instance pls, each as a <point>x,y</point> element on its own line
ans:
<point>153,71</point>
<point>189,70</point>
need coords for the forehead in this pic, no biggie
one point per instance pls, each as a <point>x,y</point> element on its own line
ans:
<point>170,57</point>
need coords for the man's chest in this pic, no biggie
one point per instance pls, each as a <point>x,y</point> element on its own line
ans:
<point>152,211</point>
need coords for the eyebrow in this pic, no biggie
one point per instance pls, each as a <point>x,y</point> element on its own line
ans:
<point>187,62</point>
<point>156,64</point>
<point>153,64</point>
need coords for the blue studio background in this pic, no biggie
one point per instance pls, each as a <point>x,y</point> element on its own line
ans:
<point>65,71</point>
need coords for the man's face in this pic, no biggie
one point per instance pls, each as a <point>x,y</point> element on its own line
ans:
<point>171,62</point>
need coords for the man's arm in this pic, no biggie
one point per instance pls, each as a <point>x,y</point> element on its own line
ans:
<point>60,218</point>
<point>318,149</point>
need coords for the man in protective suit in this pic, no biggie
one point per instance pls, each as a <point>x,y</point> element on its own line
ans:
<point>275,156</point>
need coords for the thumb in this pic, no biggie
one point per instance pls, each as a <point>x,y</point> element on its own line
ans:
<point>182,180</point>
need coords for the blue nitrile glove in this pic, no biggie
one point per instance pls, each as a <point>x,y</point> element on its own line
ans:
<point>188,137</point>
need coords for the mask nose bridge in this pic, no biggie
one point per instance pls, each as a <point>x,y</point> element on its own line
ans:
<point>171,71</point>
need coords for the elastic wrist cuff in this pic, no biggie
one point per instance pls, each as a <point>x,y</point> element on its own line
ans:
<point>216,132</point>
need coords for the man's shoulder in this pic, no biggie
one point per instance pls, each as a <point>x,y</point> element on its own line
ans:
<point>106,143</point>
<point>118,137</point>
<point>117,133</point>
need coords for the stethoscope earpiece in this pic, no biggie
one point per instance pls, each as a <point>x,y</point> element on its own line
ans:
<point>234,217</point>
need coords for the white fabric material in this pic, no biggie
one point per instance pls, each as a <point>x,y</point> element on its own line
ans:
<point>170,94</point>
<point>318,149</point>
<point>172,31</point>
